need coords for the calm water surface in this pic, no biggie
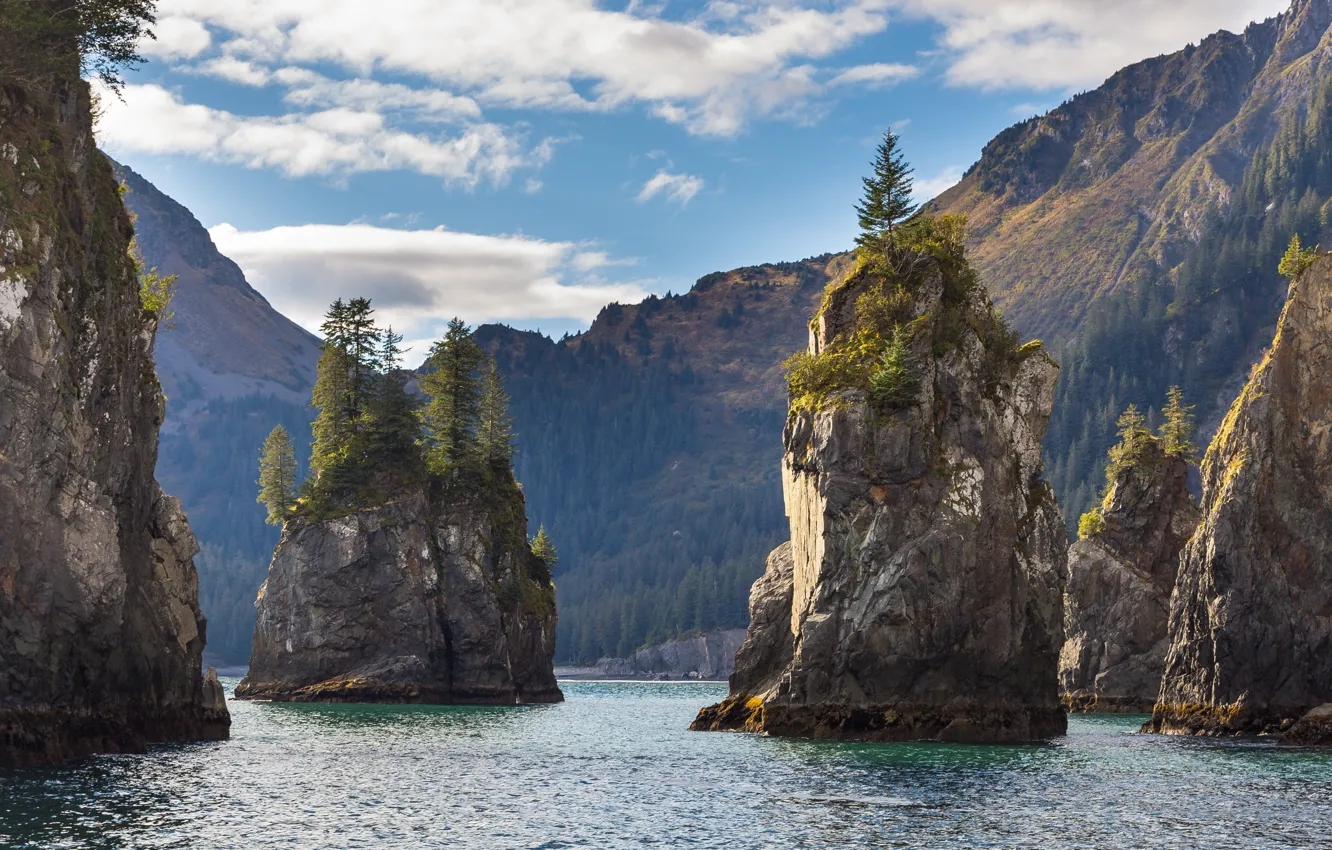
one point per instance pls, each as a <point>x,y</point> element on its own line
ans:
<point>615,767</point>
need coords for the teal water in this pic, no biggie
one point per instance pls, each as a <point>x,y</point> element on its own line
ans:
<point>615,767</point>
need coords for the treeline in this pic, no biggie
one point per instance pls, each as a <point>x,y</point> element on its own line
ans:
<point>1212,314</point>
<point>373,436</point>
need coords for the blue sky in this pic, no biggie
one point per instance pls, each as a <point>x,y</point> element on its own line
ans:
<point>531,160</point>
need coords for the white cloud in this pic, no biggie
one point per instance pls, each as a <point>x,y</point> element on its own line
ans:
<point>532,186</point>
<point>932,187</point>
<point>1063,44</point>
<point>234,70</point>
<point>177,38</point>
<point>336,142</point>
<point>426,104</point>
<point>711,73</point>
<point>877,75</point>
<point>678,187</point>
<point>419,279</point>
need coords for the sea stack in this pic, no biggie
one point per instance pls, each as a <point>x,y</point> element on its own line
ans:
<point>1251,617</point>
<point>1120,575</point>
<point>100,630</point>
<point>920,596</point>
<point>434,597</point>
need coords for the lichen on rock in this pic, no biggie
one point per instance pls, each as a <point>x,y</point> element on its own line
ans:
<point>1251,618</point>
<point>920,594</point>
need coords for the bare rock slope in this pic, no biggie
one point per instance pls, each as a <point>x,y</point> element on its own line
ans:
<point>1117,605</point>
<point>920,596</point>
<point>1251,618</point>
<point>100,630</point>
<point>427,599</point>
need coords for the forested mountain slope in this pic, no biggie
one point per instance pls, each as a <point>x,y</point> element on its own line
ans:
<point>232,367</point>
<point>650,449</point>
<point>1137,228</point>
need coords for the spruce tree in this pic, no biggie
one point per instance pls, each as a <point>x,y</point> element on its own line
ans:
<point>1177,430</point>
<point>544,549</point>
<point>277,475</point>
<point>392,430</point>
<point>452,412</point>
<point>332,426</point>
<point>496,435</point>
<point>1134,438</point>
<point>887,202</point>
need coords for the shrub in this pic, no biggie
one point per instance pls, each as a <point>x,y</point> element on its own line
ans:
<point>1091,524</point>
<point>895,383</point>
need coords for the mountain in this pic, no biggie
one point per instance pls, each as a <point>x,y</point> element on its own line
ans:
<point>650,447</point>
<point>232,367</point>
<point>1137,227</point>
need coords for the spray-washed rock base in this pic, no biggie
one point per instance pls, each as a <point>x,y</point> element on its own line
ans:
<point>427,599</point>
<point>1251,618</point>
<point>101,637</point>
<point>1117,606</point>
<point>920,596</point>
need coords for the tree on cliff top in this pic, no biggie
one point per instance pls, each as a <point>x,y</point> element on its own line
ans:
<point>277,475</point>
<point>1177,430</point>
<point>544,549</point>
<point>453,411</point>
<point>43,39</point>
<point>495,442</point>
<point>1134,439</point>
<point>887,202</point>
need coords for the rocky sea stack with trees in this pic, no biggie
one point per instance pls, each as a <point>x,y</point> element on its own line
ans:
<point>404,572</point>
<point>920,596</point>
<point>101,636</point>
<point>1122,569</point>
<point>1250,642</point>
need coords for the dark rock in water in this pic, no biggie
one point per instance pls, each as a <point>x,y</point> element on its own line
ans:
<point>1117,605</point>
<point>923,595</point>
<point>100,630</point>
<point>1314,728</point>
<point>1251,618</point>
<point>427,599</point>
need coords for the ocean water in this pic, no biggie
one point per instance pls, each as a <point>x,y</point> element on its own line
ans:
<point>616,767</point>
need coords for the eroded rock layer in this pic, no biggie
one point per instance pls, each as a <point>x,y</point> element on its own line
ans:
<point>920,596</point>
<point>426,599</point>
<point>1251,618</point>
<point>1117,605</point>
<point>100,630</point>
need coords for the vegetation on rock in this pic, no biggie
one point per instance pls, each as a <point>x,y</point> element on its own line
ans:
<point>42,40</point>
<point>277,475</point>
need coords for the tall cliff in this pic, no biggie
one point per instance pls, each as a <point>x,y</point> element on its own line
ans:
<point>1251,618</point>
<point>1120,577</point>
<point>100,628</point>
<point>921,595</point>
<point>434,597</point>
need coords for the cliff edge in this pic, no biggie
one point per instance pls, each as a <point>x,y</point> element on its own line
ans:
<point>100,628</point>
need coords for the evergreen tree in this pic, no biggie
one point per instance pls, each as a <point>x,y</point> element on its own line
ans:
<point>1177,430</point>
<point>496,434</point>
<point>393,430</point>
<point>452,413</point>
<point>544,549</point>
<point>887,202</point>
<point>895,383</point>
<point>277,475</point>
<point>1296,259</point>
<point>1134,437</point>
<point>332,426</point>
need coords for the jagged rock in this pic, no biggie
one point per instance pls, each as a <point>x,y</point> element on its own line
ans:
<point>1314,728</point>
<point>710,656</point>
<point>1117,605</point>
<point>427,599</point>
<point>100,630</point>
<point>927,553</point>
<point>1251,618</point>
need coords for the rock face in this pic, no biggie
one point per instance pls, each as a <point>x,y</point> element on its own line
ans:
<point>1117,605</point>
<point>427,599</point>
<point>709,656</point>
<point>100,630</point>
<point>1251,618</point>
<point>920,596</point>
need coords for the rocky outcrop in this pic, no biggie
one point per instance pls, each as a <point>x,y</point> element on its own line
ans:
<point>1251,618</point>
<point>1117,605</point>
<point>428,599</point>
<point>100,629</point>
<point>709,656</point>
<point>927,554</point>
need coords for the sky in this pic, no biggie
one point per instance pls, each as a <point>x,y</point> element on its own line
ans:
<point>529,161</point>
